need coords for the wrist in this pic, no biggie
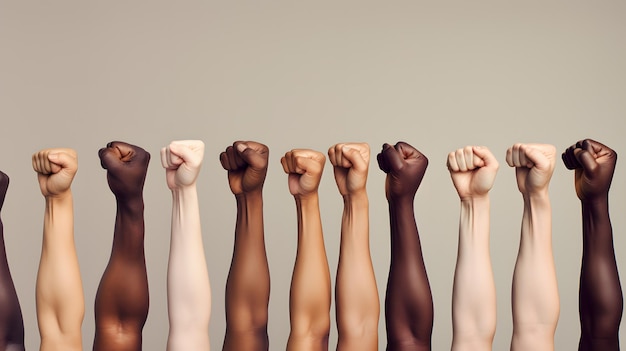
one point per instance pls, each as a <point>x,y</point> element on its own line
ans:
<point>307,199</point>
<point>475,200</point>
<point>252,196</point>
<point>64,196</point>
<point>359,197</point>
<point>537,199</point>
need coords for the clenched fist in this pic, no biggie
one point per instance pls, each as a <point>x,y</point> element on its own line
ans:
<point>246,163</point>
<point>534,165</point>
<point>405,167</point>
<point>594,164</point>
<point>55,170</point>
<point>182,161</point>
<point>126,167</point>
<point>351,164</point>
<point>473,170</point>
<point>305,169</point>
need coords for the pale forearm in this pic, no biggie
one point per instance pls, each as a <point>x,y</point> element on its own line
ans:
<point>60,300</point>
<point>535,291</point>
<point>189,295</point>
<point>474,294</point>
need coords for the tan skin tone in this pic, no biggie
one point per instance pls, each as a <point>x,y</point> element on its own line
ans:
<point>122,300</point>
<point>248,283</point>
<point>11,322</point>
<point>408,301</point>
<point>600,293</point>
<point>309,302</point>
<point>60,300</point>
<point>356,294</point>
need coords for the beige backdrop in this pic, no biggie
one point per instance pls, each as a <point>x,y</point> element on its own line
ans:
<point>439,76</point>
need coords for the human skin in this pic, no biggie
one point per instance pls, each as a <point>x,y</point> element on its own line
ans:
<point>188,288</point>
<point>408,301</point>
<point>309,299</point>
<point>59,289</point>
<point>535,296</point>
<point>122,300</point>
<point>248,282</point>
<point>356,295</point>
<point>11,323</point>
<point>600,292</point>
<point>473,170</point>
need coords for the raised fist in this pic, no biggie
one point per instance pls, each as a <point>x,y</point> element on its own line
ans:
<point>594,164</point>
<point>351,163</point>
<point>126,167</point>
<point>305,169</point>
<point>4,186</point>
<point>534,165</point>
<point>182,161</point>
<point>405,167</point>
<point>55,170</point>
<point>473,170</point>
<point>246,163</point>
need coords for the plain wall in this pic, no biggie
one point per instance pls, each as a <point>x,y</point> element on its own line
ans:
<point>438,75</point>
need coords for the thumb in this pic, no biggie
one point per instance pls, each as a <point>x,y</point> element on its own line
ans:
<point>487,158</point>
<point>586,160</point>
<point>255,159</point>
<point>62,161</point>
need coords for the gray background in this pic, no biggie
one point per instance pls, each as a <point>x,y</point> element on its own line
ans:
<point>440,76</point>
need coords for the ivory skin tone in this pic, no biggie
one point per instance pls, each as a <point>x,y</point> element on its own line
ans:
<point>59,290</point>
<point>408,300</point>
<point>122,300</point>
<point>309,299</point>
<point>600,291</point>
<point>248,283</point>
<point>473,171</point>
<point>11,322</point>
<point>188,288</point>
<point>356,295</point>
<point>535,296</point>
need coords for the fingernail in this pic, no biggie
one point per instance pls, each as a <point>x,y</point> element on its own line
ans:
<point>53,156</point>
<point>241,147</point>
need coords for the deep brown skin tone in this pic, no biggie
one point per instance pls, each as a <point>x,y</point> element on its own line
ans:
<point>408,302</point>
<point>600,294</point>
<point>122,298</point>
<point>11,323</point>
<point>248,283</point>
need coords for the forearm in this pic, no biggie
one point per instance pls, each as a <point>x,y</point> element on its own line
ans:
<point>189,294</point>
<point>310,285</point>
<point>129,231</point>
<point>11,322</point>
<point>356,292</point>
<point>249,272</point>
<point>601,301</point>
<point>535,291</point>
<point>409,304</point>
<point>60,300</point>
<point>474,293</point>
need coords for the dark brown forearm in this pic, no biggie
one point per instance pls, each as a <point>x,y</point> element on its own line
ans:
<point>408,302</point>
<point>600,295</point>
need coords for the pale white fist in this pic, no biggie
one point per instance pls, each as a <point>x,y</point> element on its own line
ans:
<point>473,170</point>
<point>534,165</point>
<point>305,169</point>
<point>351,164</point>
<point>55,170</point>
<point>182,161</point>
